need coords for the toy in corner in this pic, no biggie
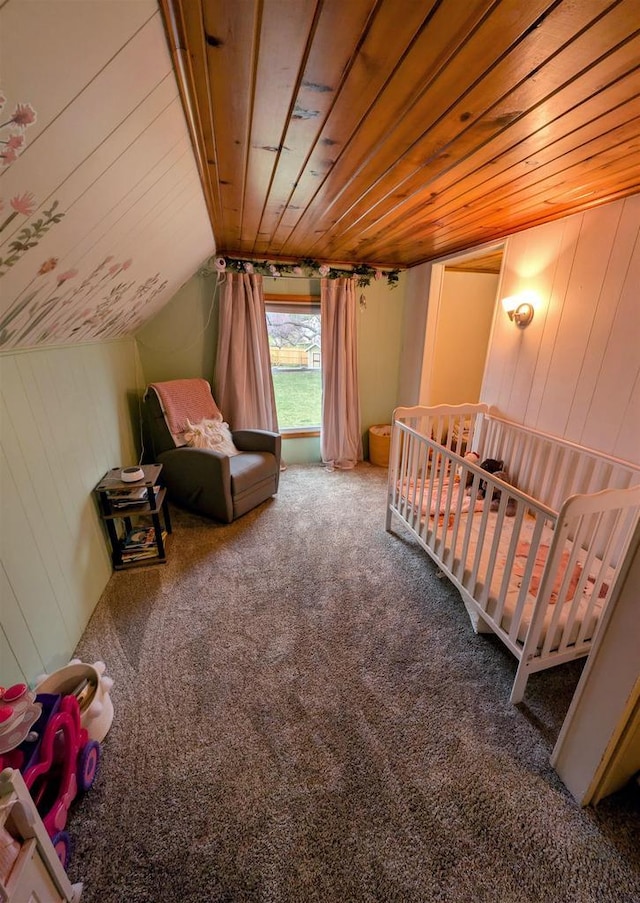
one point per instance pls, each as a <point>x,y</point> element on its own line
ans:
<point>52,737</point>
<point>94,699</point>
<point>56,757</point>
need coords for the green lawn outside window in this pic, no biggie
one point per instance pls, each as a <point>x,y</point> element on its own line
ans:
<point>298,397</point>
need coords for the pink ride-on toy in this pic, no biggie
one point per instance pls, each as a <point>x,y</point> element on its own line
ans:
<point>57,760</point>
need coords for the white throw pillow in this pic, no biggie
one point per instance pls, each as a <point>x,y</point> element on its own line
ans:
<point>213,434</point>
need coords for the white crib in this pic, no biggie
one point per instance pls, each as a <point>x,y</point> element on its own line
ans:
<point>536,559</point>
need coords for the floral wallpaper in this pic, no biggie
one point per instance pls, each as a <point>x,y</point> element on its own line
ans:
<point>12,137</point>
<point>59,305</point>
<point>29,235</point>
<point>55,305</point>
<point>101,220</point>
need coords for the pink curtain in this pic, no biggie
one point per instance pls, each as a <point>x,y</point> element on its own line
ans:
<point>244,387</point>
<point>341,440</point>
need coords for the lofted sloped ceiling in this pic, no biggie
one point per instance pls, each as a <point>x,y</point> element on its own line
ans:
<point>398,131</point>
<point>102,215</point>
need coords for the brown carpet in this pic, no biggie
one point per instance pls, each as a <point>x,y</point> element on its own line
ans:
<point>303,713</point>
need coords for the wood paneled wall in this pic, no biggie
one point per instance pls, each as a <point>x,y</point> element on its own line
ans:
<point>67,415</point>
<point>575,370</point>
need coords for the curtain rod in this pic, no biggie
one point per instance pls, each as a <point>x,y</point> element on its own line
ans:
<point>304,269</point>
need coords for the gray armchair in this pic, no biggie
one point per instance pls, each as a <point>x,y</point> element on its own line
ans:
<point>200,479</point>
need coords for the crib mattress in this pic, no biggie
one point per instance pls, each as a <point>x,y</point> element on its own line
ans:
<point>451,559</point>
<point>523,550</point>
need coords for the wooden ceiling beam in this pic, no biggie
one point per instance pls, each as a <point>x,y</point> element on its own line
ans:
<point>198,115</point>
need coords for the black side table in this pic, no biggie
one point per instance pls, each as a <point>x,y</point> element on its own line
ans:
<point>126,501</point>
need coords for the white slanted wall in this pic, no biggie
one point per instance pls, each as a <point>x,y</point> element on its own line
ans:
<point>102,216</point>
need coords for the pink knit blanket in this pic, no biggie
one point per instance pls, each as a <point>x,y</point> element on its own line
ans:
<point>519,566</point>
<point>186,399</point>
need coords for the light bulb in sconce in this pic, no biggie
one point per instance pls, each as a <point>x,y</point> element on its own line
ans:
<point>520,308</point>
<point>363,303</point>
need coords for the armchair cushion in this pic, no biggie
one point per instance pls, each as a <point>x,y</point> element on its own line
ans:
<point>248,469</point>
<point>198,479</point>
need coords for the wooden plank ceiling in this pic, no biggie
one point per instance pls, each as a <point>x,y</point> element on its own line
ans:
<point>397,131</point>
<point>488,262</point>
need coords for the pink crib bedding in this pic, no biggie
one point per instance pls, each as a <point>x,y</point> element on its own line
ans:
<point>418,502</point>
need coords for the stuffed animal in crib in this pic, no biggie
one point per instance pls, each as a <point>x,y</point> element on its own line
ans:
<point>472,458</point>
<point>491,465</point>
<point>510,509</point>
<point>495,467</point>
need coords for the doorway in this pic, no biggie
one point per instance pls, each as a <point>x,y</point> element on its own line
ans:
<point>462,302</point>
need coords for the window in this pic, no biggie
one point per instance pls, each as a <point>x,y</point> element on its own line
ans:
<point>293,324</point>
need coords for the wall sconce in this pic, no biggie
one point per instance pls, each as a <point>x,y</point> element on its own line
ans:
<point>519,308</point>
<point>363,303</point>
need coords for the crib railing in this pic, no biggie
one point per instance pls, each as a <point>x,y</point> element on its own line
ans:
<point>431,488</point>
<point>458,428</point>
<point>546,616</point>
<point>550,468</point>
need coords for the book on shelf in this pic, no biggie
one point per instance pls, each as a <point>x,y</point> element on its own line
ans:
<point>141,543</point>
<point>141,537</point>
<point>140,554</point>
<point>122,498</point>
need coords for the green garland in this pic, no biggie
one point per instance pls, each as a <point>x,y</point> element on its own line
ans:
<point>307,267</point>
